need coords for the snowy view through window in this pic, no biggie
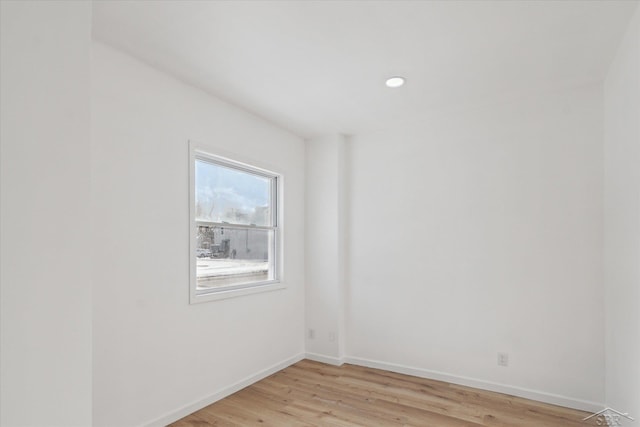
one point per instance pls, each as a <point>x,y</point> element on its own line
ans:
<point>235,233</point>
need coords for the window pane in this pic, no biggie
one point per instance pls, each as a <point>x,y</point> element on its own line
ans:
<point>224,194</point>
<point>233,256</point>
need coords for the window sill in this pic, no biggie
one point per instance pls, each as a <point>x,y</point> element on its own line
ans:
<point>232,293</point>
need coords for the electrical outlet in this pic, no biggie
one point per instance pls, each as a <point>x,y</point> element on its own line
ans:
<point>312,334</point>
<point>503,359</point>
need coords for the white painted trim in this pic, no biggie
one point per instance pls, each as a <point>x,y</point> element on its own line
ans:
<point>199,150</point>
<point>232,293</point>
<point>537,395</point>
<point>330,360</point>
<point>221,394</point>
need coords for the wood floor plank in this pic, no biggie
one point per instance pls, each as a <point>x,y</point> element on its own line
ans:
<point>313,394</point>
<point>387,413</point>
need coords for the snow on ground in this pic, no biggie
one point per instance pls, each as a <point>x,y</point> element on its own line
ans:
<point>227,267</point>
<point>214,273</point>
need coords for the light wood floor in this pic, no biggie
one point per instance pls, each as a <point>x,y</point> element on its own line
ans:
<point>314,394</point>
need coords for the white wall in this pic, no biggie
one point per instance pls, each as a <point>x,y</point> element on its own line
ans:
<point>480,232</point>
<point>468,233</point>
<point>325,248</point>
<point>622,224</point>
<point>153,352</point>
<point>45,369</point>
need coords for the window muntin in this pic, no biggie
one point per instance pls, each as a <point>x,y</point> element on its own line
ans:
<point>234,226</point>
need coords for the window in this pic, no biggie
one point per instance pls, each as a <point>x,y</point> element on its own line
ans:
<point>234,228</point>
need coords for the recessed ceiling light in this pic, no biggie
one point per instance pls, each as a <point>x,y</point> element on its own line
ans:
<point>395,81</point>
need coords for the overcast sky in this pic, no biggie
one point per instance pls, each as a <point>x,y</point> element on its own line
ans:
<point>219,188</point>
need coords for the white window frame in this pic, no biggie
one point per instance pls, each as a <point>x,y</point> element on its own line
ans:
<point>199,151</point>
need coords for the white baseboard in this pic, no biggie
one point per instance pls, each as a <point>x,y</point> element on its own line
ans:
<point>221,394</point>
<point>540,396</point>
<point>330,360</point>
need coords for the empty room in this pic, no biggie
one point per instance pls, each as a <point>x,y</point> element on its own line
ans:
<point>319,213</point>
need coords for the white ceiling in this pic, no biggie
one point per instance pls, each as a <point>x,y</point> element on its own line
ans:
<point>317,67</point>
